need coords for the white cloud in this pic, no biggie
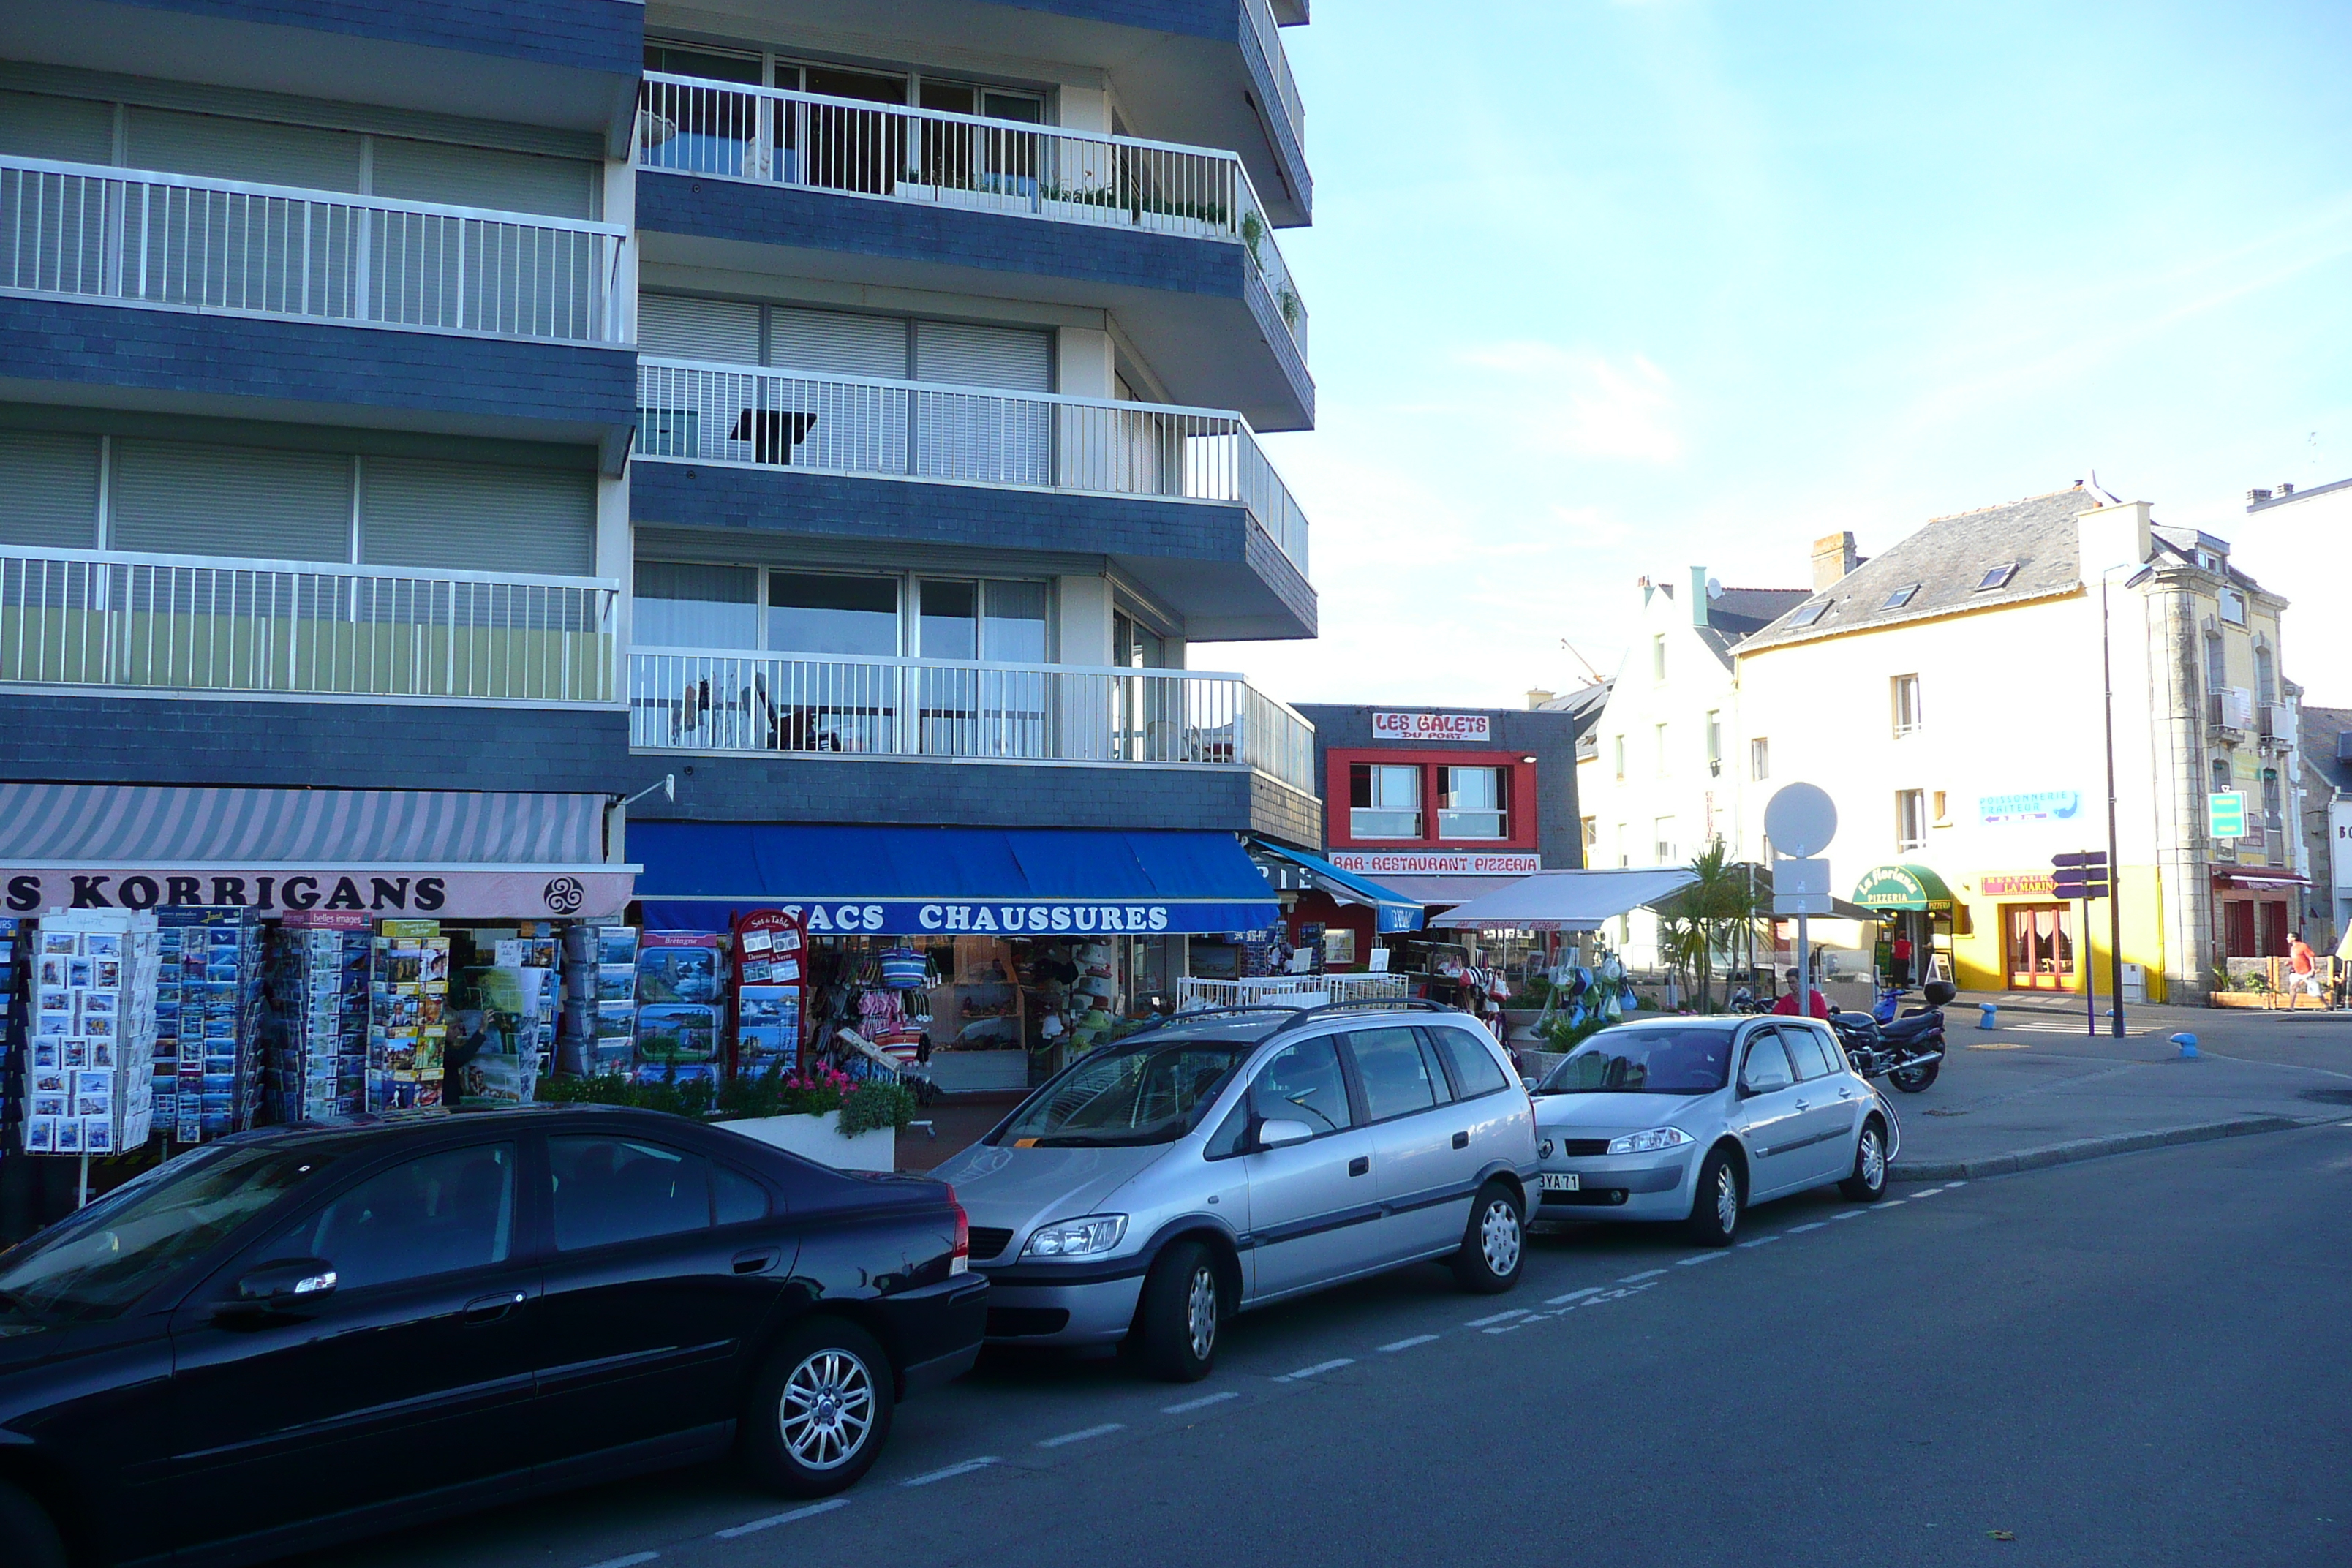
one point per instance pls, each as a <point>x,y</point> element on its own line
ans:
<point>1551,399</point>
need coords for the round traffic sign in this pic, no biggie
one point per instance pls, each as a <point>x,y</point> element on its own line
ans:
<point>1800,819</point>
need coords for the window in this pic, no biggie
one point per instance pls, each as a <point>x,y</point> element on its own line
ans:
<point>808,613</point>
<point>2218,771</point>
<point>678,604</point>
<point>1804,1047</point>
<point>2233,606</point>
<point>2216,672</point>
<point>2266,675</point>
<point>1142,1093</point>
<point>1303,1084</point>
<point>1695,1059</point>
<point>1394,1074</point>
<point>437,1215</point>
<point>1658,657</point>
<point>1766,1059</point>
<point>1808,613</point>
<point>1591,829</point>
<point>1907,703</point>
<point>737,1200</point>
<point>1472,1064</point>
<point>1910,819</point>
<point>1759,758</point>
<point>1624,846</point>
<point>610,1189</point>
<point>1473,802</point>
<point>1714,742</point>
<point>1620,745</point>
<point>1662,836</point>
<point>1662,749</point>
<point>1943,818</point>
<point>1383,800</point>
<point>1998,577</point>
<point>1000,622</point>
<point>1900,597</point>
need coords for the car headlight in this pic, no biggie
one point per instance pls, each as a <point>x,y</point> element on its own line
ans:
<point>1075,1237</point>
<point>1649,1142</point>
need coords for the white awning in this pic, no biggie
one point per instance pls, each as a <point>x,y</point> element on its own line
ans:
<point>1567,901</point>
<point>1443,892</point>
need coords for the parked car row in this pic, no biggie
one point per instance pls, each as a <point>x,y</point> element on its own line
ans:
<point>300,1336</point>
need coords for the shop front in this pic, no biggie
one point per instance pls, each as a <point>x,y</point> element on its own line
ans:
<point>1918,920</point>
<point>990,955</point>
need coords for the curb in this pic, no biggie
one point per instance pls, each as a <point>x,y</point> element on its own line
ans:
<point>2076,1149</point>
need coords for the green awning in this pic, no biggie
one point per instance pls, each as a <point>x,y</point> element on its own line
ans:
<point>1904,887</point>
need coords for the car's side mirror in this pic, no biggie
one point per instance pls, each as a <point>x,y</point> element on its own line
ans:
<point>1771,1079</point>
<point>283,1283</point>
<point>1282,1134</point>
<point>1527,1083</point>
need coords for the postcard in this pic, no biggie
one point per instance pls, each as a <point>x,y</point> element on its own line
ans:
<point>102,943</point>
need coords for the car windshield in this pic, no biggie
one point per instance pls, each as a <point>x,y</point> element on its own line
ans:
<point>1695,1059</point>
<point>1151,1091</point>
<point>99,1263</point>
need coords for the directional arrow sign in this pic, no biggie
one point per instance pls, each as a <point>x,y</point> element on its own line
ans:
<point>2071,886</point>
<point>2086,858</point>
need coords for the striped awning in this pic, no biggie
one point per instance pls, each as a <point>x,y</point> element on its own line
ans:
<point>454,852</point>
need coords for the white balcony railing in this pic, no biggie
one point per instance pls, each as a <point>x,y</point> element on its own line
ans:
<point>770,703</point>
<point>921,430</point>
<point>86,231</point>
<point>765,135</point>
<point>103,618</point>
<point>1277,60</point>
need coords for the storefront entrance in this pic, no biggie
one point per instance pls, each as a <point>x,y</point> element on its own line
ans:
<point>2038,940</point>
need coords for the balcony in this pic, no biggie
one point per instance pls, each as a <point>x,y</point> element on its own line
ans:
<point>1173,239</point>
<point>815,705</point>
<point>199,625</point>
<point>954,435</point>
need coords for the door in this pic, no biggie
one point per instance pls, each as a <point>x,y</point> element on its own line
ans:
<point>1411,1108</point>
<point>1770,1125</point>
<point>413,1376</point>
<point>2040,945</point>
<point>1313,1204</point>
<point>1829,1102</point>
<point>655,1285</point>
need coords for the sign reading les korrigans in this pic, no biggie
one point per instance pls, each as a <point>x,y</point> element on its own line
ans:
<point>1433,726</point>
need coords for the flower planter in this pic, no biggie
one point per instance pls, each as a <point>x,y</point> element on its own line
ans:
<point>819,1138</point>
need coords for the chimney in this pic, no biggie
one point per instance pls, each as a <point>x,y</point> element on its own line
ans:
<point>2111,536</point>
<point>1537,697</point>
<point>1698,596</point>
<point>1833,557</point>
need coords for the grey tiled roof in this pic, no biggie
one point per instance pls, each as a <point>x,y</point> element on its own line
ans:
<point>2320,728</point>
<point>1947,558</point>
<point>1737,614</point>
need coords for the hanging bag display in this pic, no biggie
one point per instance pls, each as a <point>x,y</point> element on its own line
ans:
<point>904,969</point>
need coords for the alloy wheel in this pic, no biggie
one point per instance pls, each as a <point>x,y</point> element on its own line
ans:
<point>827,1409</point>
<point>1726,1198</point>
<point>1201,1312</point>
<point>1874,1159</point>
<point>1498,1238</point>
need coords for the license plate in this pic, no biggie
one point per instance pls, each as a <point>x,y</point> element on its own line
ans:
<point>1562,1182</point>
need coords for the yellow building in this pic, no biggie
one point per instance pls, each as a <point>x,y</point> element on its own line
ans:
<point>1947,694</point>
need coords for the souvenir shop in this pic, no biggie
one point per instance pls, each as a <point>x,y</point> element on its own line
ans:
<point>983,957</point>
<point>180,964</point>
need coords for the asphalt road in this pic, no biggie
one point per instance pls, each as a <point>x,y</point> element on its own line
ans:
<point>2138,1359</point>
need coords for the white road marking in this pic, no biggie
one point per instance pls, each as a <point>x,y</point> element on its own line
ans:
<point>1891,1203</point>
<point>1926,1192</point>
<point>1698,1258</point>
<point>1646,1274</point>
<point>634,1557</point>
<point>1572,1295</point>
<point>1760,1241</point>
<point>1201,1403</point>
<point>1317,1370</point>
<point>1496,1318</point>
<point>758,1525</point>
<point>951,1472</point>
<point>1949,1185</point>
<point>1105,1430</point>
<point>1395,1345</point>
<point>1800,1229</point>
<point>1850,1214</point>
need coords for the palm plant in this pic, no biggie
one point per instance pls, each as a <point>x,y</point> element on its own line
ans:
<point>1706,915</point>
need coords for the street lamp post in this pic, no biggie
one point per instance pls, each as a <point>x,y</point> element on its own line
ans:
<point>2114,858</point>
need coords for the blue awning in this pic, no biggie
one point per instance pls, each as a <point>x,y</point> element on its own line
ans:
<point>931,881</point>
<point>1392,911</point>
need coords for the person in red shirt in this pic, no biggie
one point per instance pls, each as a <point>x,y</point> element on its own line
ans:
<point>1787,1005</point>
<point>1902,960</point>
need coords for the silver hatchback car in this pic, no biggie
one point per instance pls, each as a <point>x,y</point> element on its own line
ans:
<point>1695,1118</point>
<point>1228,1159</point>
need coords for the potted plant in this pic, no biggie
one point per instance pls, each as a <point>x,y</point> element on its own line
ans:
<point>821,1114</point>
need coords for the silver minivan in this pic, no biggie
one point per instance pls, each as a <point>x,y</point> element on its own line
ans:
<point>1227,1159</point>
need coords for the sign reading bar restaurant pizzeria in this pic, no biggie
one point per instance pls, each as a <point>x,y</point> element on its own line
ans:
<point>1477,727</point>
<point>1419,863</point>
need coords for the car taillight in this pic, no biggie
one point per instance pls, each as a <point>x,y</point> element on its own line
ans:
<point>959,1260</point>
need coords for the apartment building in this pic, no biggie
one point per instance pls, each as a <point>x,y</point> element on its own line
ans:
<point>845,412</point>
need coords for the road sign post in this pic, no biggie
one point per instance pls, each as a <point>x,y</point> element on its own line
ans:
<point>2085,876</point>
<point>1800,819</point>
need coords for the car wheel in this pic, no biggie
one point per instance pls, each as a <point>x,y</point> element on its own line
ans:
<point>28,1538</point>
<point>1178,1316</point>
<point>820,1410</point>
<point>1868,1182</point>
<point>1715,1208</point>
<point>1494,1246</point>
<point>1911,1081</point>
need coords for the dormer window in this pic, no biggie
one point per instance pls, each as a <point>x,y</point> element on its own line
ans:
<point>1998,577</point>
<point>1900,597</point>
<point>1808,613</point>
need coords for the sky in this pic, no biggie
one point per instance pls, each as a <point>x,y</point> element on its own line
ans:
<point>1600,289</point>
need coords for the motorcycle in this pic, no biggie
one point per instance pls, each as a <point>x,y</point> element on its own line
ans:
<point>1907,1051</point>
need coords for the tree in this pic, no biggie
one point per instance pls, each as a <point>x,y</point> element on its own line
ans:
<point>1705,917</point>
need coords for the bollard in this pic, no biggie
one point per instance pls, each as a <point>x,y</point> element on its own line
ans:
<point>1988,1015</point>
<point>2187,1044</point>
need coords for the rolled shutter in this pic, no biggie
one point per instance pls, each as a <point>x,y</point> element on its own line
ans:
<point>180,499</point>
<point>835,342</point>
<point>467,517</point>
<point>484,177</point>
<point>70,130</point>
<point>48,489</point>
<point>962,354</point>
<point>255,151</point>
<point>725,331</point>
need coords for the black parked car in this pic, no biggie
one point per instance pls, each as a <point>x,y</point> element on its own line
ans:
<point>292,1338</point>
